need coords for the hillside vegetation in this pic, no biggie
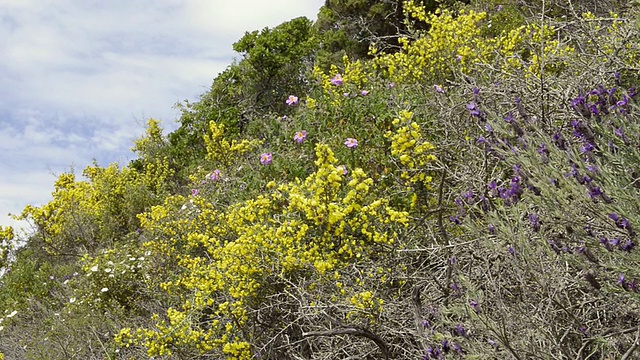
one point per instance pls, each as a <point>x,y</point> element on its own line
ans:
<point>398,180</point>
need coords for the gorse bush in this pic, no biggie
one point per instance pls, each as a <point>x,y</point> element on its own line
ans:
<point>470,194</point>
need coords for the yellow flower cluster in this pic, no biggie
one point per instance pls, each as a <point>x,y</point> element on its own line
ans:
<point>104,205</point>
<point>220,151</point>
<point>451,43</point>
<point>366,306</point>
<point>354,78</point>
<point>609,37</point>
<point>6,233</point>
<point>230,260</point>
<point>409,146</point>
<point>457,43</point>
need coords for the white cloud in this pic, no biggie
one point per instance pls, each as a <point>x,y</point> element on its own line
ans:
<point>79,78</point>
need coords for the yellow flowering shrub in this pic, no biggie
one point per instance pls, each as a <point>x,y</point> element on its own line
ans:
<point>230,261</point>
<point>83,214</point>
<point>411,149</point>
<point>456,43</point>
<point>220,151</point>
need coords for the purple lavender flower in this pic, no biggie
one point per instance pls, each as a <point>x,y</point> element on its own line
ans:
<point>605,242</point>
<point>493,343</point>
<point>542,150</point>
<point>457,348</point>
<point>509,118</point>
<point>438,89</point>
<point>459,330</point>
<point>468,196</point>
<point>445,345</point>
<point>511,250</point>
<point>594,192</point>
<point>623,102</point>
<point>492,229</point>
<point>492,186</point>
<point>474,305</point>
<point>587,148</point>
<point>455,288</point>
<point>620,278</point>
<point>473,109</point>
<point>534,221</point>
<point>455,219</point>
<point>627,246</point>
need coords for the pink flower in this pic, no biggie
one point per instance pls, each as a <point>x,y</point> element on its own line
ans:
<point>215,175</point>
<point>195,192</point>
<point>343,168</point>
<point>351,143</point>
<point>292,100</point>
<point>438,89</point>
<point>364,92</point>
<point>266,158</point>
<point>337,80</point>
<point>300,136</point>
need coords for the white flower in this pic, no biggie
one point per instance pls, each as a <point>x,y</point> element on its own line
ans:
<point>72,300</point>
<point>94,268</point>
<point>13,313</point>
<point>104,289</point>
<point>107,270</point>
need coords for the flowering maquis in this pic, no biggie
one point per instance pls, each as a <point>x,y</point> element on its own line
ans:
<point>292,100</point>
<point>266,158</point>
<point>351,143</point>
<point>337,80</point>
<point>300,136</point>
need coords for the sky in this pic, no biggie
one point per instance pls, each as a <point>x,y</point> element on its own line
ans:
<point>80,78</point>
